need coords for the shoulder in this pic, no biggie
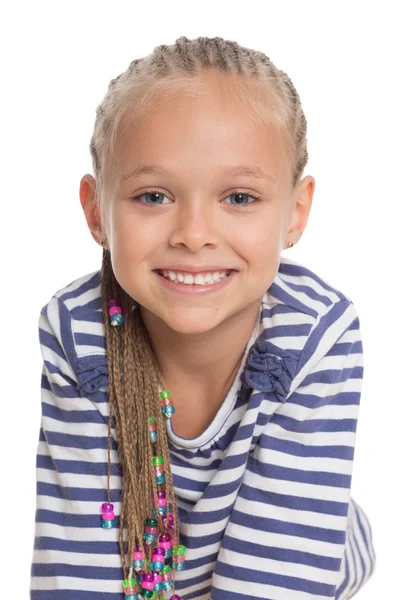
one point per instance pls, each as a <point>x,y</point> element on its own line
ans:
<point>72,323</point>
<point>77,307</point>
<point>303,319</point>
<point>303,289</point>
<point>304,301</point>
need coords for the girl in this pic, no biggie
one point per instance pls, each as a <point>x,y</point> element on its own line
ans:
<point>200,392</point>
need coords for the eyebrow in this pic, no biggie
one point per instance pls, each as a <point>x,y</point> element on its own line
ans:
<point>240,171</point>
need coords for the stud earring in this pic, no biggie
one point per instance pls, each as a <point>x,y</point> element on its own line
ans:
<point>290,245</point>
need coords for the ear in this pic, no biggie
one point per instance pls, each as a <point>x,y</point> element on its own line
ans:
<point>302,202</point>
<point>87,195</point>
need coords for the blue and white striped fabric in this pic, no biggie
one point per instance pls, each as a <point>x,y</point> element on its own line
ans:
<point>263,494</point>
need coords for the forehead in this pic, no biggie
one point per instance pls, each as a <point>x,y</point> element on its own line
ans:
<point>209,132</point>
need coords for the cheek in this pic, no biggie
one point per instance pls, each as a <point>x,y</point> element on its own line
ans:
<point>132,236</point>
<point>259,243</point>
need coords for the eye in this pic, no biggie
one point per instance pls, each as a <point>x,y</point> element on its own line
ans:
<point>244,195</point>
<point>156,194</point>
<point>150,193</point>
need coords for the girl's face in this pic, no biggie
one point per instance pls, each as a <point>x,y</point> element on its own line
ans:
<point>190,211</point>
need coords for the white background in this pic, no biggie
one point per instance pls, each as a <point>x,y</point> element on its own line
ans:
<point>57,59</point>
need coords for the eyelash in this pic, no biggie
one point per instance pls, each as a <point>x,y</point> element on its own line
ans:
<point>139,196</point>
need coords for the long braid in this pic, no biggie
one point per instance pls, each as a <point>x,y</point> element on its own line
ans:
<point>133,398</point>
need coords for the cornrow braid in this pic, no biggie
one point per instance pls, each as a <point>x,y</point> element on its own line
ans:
<point>134,374</point>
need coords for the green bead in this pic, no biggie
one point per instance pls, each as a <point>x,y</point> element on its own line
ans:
<point>151,522</point>
<point>151,420</point>
<point>166,569</point>
<point>165,394</point>
<point>157,461</point>
<point>179,549</point>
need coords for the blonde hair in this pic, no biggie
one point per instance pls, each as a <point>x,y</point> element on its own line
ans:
<point>274,101</point>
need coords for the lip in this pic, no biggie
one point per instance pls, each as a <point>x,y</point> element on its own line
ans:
<point>194,268</point>
<point>183,288</point>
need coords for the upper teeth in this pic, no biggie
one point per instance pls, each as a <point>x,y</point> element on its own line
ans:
<point>196,278</point>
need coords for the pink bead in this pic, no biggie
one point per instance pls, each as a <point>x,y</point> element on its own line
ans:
<point>152,427</point>
<point>114,310</point>
<point>167,576</point>
<point>138,555</point>
<point>159,470</point>
<point>157,578</point>
<point>162,502</point>
<point>167,402</point>
<point>178,559</point>
<point>165,545</point>
<point>107,507</point>
<point>158,557</point>
<point>131,590</point>
<point>108,516</point>
<point>151,529</point>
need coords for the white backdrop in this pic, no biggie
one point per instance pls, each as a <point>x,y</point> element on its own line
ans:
<point>57,59</point>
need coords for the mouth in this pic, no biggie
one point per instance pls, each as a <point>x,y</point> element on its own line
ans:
<point>194,288</point>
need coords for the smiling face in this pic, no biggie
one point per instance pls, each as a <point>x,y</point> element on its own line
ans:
<point>198,211</point>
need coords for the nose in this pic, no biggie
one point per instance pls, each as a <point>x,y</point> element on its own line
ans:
<point>195,224</point>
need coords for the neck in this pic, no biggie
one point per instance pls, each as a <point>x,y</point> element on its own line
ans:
<point>206,362</point>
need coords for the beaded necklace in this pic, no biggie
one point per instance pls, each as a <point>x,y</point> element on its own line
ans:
<point>168,555</point>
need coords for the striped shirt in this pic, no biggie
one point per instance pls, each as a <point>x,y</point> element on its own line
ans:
<point>263,494</point>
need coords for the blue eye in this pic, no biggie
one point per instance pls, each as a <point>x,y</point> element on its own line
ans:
<point>158,193</point>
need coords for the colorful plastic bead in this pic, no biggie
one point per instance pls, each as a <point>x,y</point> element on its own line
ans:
<point>108,524</point>
<point>168,411</point>
<point>157,558</point>
<point>169,522</point>
<point>168,408</point>
<point>137,562</point>
<point>108,516</point>
<point>114,311</point>
<point>148,581</point>
<point>129,583</point>
<point>167,586</point>
<point>153,429</point>
<point>158,584</point>
<point>116,320</point>
<point>160,479</point>
<point>179,549</point>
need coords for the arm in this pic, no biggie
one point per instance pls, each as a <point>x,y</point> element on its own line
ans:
<point>293,530</point>
<point>321,414</point>
<point>74,558</point>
